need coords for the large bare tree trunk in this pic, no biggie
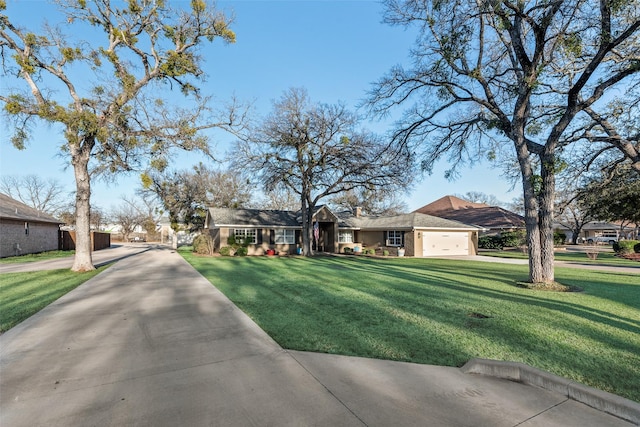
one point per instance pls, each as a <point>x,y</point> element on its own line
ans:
<point>80,161</point>
<point>306,236</point>
<point>547,198</point>
<point>530,207</point>
<point>533,235</point>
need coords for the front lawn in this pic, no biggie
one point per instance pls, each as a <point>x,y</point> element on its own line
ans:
<point>24,294</point>
<point>442,312</point>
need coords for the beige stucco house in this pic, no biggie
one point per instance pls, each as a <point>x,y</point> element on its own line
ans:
<point>415,234</point>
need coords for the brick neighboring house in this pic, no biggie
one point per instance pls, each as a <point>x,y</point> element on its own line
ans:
<point>492,219</point>
<point>25,230</point>
<point>416,234</point>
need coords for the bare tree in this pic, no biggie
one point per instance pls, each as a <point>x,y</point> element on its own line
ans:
<point>222,188</point>
<point>317,151</point>
<point>128,216</point>
<point>377,202</point>
<point>150,210</point>
<point>45,195</point>
<point>492,77</point>
<point>106,91</point>
<point>571,214</point>
<point>280,198</point>
<point>612,197</point>
<point>187,194</point>
<point>480,197</point>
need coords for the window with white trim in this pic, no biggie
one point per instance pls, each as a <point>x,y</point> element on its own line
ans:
<point>394,238</point>
<point>246,233</point>
<point>284,236</point>
<point>345,236</point>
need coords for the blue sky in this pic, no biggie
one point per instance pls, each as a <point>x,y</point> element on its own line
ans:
<point>334,49</point>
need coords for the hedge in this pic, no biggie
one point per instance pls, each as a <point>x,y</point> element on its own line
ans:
<point>627,246</point>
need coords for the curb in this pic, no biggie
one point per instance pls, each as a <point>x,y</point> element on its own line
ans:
<point>610,403</point>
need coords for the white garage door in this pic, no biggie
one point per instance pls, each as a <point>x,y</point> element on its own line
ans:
<point>437,243</point>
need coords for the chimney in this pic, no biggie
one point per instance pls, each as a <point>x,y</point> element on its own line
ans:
<point>357,211</point>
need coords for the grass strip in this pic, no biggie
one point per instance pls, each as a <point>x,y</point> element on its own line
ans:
<point>604,257</point>
<point>442,312</point>
<point>24,294</point>
<point>41,256</point>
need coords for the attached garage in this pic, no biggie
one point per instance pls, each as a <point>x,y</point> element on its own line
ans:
<point>439,243</point>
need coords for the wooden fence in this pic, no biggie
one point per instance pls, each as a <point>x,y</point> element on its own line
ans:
<point>67,240</point>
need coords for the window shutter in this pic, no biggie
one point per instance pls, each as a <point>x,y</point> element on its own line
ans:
<point>272,237</point>
<point>259,236</point>
<point>298,234</point>
<point>402,239</point>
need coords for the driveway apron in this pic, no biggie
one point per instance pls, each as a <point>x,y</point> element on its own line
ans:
<point>151,342</point>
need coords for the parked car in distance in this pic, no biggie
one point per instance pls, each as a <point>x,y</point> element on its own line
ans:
<point>602,239</point>
<point>137,239</point>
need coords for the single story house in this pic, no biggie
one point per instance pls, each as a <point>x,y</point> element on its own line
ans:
<point>492,219</point>
<point>415,234</point>
<point>599,231</point>
<point>25,230</point>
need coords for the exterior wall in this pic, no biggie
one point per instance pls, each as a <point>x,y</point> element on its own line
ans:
<point>323,215</point>
<point>410,244</point>
<point>474,235</point>
<point>376,240</point>
<point>371,239</point>
<point>363,239</point>
<point>15,241</point>
<point>220,236</point>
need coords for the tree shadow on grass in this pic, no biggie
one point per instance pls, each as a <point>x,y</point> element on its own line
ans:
<point>421,313</point>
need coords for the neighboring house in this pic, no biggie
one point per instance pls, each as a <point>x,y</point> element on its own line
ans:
<point>25,230</point>
<point>599,232</point>
<point>492,219</point>
<point>417,234</point>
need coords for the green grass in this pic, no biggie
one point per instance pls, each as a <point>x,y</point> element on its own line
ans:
<point>36,257</point>
<point>24,294</point>
<point>433,311</point>
<point>604,258</point>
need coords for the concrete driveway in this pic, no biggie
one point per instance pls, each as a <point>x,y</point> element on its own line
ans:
<point>101,257</point>
<point>150,342</point>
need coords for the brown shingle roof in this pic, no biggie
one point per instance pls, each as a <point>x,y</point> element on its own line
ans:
<point>448,203</point>
<point>251,217</point>
<point>13,209</point>
<point>403,221</point>
<point>478,214</point>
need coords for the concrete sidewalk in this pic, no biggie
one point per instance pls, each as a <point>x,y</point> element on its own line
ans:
<point>150,342</point>
<point>630,269</point>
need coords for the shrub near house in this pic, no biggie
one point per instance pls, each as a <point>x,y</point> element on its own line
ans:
<point>513,239</point>
<point>625,247</point>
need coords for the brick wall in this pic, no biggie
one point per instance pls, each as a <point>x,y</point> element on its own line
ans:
<point>14,239</point>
